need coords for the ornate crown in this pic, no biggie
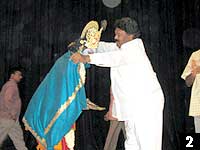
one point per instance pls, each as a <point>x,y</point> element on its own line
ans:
<point>91,35</point>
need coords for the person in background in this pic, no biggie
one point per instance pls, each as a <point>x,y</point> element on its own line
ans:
<point>115,127</point>
<point>10,107</point>
<point>139,99</point>
<point>191,75</point>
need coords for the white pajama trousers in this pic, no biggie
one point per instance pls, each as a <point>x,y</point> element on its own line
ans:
<point>197,124</point>
<point>144,130</point>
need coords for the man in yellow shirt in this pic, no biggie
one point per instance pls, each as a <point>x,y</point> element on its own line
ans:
<point>191,75</point>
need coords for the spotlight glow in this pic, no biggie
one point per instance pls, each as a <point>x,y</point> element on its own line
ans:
<point>111,3</point>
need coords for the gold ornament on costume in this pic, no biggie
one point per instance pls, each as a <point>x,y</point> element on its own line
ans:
<point>91,34</point>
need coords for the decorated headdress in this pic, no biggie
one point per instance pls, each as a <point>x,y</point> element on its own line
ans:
<point>89,38</point>
<point>91,34</point>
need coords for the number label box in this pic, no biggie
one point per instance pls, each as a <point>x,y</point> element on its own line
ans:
<point>190,141</point>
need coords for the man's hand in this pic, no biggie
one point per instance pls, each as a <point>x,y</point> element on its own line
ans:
<point>77,57</point>
<point>195,68</point>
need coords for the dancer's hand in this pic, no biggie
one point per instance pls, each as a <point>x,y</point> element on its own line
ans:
<point>108,116</point>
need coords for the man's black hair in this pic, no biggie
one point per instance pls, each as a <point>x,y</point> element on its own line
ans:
<point>128,25</point>
<point>12,70</point>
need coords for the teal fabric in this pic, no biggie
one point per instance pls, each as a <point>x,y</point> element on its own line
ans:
<point>52,93</point>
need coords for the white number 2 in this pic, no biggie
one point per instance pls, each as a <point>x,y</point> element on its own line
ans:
<point>189,139</point>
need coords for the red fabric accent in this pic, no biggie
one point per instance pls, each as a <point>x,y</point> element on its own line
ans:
<point>64,144</point>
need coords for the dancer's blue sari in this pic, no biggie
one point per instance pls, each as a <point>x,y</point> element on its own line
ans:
<point>57,103</point>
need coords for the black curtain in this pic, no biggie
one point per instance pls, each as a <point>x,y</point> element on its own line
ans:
<point>34,33</point>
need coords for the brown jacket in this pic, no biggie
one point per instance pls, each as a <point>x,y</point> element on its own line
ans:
<point>10,102</point>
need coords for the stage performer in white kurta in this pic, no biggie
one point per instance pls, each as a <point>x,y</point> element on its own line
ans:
<point>138,95</point>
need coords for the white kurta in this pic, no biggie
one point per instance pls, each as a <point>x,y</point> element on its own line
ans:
<point>133,80</point>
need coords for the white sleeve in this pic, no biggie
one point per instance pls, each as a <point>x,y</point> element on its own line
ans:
<point>106,47</point>
<point>115,58</point>
<point>135,53</point>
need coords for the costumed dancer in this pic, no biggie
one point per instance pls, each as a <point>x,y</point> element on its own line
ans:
<point>60,98</point>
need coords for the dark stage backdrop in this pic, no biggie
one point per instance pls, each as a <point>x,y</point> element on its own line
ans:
<point>34,33</point>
